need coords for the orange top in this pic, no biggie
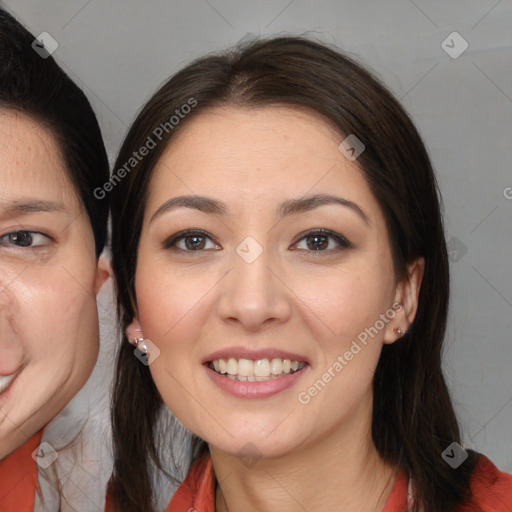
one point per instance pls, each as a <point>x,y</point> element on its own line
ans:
<point>492,490</point>
<point>18,478</point>
<point>197,492</point>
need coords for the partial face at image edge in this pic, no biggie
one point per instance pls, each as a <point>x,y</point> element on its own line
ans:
<point>49,277</point>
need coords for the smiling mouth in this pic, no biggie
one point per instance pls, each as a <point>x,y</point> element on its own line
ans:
<point>255,370</point>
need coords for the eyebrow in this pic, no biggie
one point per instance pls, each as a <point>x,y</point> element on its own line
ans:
<point>30,206</point>
<point>290,207</point>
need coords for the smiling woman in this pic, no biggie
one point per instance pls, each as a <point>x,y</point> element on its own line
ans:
<point>52,232</point>
<point>285,240</point>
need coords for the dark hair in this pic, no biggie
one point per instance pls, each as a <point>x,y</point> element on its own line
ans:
<point>413,416</point>
<point>39,88</point>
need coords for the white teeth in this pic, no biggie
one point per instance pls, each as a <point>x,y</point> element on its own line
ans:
<point>259,370</point>
<point>276,366</point>
<point>246,368</point>
<point>5,380</point>
<point>232,367</point>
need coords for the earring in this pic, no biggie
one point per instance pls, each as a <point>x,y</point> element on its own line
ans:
<point>399,331</point>
<point>140,344</point>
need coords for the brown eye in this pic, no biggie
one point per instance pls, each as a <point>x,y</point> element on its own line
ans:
<point>319,241</point>
<point>194,241</point>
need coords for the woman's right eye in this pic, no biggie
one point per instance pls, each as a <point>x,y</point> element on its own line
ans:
<point>25,239</point>
<point>194,241</point>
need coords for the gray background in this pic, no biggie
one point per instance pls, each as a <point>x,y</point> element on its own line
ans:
<point>120,51</point>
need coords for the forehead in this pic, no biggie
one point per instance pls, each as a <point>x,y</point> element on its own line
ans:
<point>31,164</point>
<point>241,136</point>
<point>252,155</point>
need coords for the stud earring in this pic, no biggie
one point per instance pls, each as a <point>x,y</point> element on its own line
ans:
<point>140,344</point>
<point>399,331</point>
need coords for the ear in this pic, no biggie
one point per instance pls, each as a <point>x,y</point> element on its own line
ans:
<point>133,330</point>
<point>103,272</point>
<point>406,300</point>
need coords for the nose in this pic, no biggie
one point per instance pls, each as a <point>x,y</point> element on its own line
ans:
<point>254,291</point>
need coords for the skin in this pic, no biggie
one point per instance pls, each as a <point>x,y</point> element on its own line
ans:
<point>313,303</point>
<point>48,315</point>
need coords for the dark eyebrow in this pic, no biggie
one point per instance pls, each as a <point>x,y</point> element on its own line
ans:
<point>31,206</point>
<point>304,204</point>
<point>289,207</point>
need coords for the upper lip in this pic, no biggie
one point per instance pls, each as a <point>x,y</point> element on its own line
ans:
<point>255,355</point>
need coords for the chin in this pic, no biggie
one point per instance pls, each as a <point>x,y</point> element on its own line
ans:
<point>254,446</point>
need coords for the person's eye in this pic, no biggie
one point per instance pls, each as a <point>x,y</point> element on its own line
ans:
<point>189,241</point>
<point>319,241</point>
<point>24,239</point>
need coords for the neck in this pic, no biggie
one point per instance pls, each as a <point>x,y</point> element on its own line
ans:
<point>343,471</point>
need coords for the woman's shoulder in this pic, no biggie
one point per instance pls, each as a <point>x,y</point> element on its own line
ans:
<point>490,487</point>
<point>197,492</point>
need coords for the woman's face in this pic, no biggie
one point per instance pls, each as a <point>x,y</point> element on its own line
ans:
<point>49,277</point>
<point>259,287</point>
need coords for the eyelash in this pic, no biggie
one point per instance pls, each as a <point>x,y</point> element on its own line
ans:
<point>25,231</point>
<point>170,243</point>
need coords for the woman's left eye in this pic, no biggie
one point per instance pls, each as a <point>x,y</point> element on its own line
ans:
<point>318,241</point>
<point>24,239</point>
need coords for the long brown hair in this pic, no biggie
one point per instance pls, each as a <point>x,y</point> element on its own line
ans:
<point>413,416</point>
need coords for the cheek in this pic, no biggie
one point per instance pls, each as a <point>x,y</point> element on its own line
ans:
<point>169,305</point>
<point>53,333</point>
<point>55,318</point>
<point>344,300</point>
<point>11,352</point>
<point>173,312</point>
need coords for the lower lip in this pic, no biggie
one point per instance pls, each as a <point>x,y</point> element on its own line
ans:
<point>256,389</point>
